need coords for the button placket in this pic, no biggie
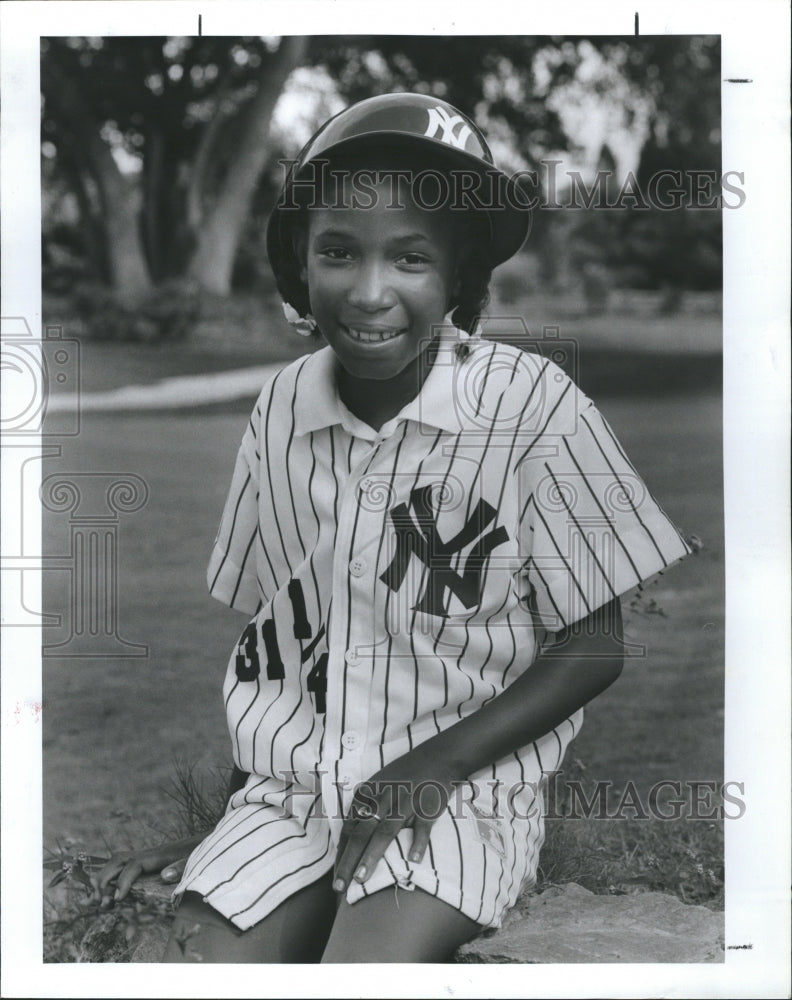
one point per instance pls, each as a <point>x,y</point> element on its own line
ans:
<point>345,566</point>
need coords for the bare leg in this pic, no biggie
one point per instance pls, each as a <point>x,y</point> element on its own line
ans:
<point>295,932</point>
<point>398,926</point>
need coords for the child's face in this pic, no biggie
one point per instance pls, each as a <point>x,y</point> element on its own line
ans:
<point>379,278</point>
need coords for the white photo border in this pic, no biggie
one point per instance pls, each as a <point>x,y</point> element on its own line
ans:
<point>756,269</point>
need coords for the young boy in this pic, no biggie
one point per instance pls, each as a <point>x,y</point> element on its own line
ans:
<point>431,533</point>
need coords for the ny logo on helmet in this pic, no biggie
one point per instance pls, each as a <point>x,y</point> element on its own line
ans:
<point>440,121</point>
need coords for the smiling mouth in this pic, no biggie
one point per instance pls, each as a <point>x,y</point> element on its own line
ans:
<point>371,335</point>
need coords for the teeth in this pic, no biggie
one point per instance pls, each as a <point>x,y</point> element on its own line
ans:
<point>372,336</point>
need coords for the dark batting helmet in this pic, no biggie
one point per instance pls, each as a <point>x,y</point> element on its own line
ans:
<point>440,135</point>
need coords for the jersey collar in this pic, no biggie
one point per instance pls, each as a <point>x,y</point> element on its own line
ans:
<point>436,405</point>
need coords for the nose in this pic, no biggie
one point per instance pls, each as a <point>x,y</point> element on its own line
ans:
<point>371,290</point>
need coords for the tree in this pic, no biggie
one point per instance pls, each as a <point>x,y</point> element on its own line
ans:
<point>166,142</point>
<point>652,248</point>
<point>218,239</point>
<point>89,161</point>
<point>194,114</point>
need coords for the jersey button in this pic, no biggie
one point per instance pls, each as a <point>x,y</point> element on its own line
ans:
<point>357,567</point>
<point>350,740</point>
<point>352,657</point>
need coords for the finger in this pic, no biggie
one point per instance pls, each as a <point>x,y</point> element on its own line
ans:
<point>172,873</point>
<point>375,849</point>
<point>348,859</point>
<point>132,870</point>
<point>420,841</point>
<point>106,875</point>
<point>351,845</point>
<point>364,809</point>
<point>343,839</point>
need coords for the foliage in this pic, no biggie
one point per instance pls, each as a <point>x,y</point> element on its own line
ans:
<point>174,110</point>
<point>654,247</point>
<point>76,925</point>
<point>199,800</point>
<point>168,312</point>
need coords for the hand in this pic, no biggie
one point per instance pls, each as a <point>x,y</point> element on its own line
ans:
<point>126,867</point>
<point>412,791</point>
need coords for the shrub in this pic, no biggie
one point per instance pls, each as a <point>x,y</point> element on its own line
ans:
<point>168,312</point>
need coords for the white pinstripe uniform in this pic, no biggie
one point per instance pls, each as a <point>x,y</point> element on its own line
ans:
<point>399,580</point>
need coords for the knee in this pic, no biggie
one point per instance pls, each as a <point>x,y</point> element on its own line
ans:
<point>199,933</point>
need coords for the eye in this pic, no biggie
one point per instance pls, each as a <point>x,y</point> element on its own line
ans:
<point>414,259</point>
<point>335,253</point>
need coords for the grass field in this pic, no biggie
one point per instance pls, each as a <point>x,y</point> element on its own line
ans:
<point>113,727</point>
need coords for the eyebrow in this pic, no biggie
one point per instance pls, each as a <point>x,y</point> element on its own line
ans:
<point>334,234</point>
<point>412,237</point>
<point>345,234</point>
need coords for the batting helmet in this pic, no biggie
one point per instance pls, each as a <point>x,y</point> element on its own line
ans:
<point>430,126</point>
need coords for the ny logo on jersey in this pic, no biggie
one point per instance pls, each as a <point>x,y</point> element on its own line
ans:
<point>416,533</point>
<point>441,121</point>
<point>248,665</point>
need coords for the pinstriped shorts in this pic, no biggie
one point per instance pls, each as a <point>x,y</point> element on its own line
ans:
<point>483,850</point>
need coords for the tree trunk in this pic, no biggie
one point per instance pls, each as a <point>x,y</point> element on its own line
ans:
<point>213,260</point>
<point>93,233</point>
<point>121,202</point>
<point>120,196</point>
<point>196,188</point>
<point>153,171</point>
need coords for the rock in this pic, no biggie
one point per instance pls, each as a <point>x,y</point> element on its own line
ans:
<point>570,924</point>
<point>150,946</point>
<point>135,930</point>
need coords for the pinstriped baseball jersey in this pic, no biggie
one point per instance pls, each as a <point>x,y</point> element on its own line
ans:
<point>398,580</point>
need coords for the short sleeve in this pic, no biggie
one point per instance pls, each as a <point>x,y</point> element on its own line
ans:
<point>589,528</point>
<point>231,574</point>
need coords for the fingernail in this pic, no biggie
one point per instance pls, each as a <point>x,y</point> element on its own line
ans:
<point>360,874</point>
<point>415,856</point>
<point>115,896</point>
<point>168,874</point>
<point>338,885</point>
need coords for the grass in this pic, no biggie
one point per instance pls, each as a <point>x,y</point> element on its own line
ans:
<point>112,727</point>
<point>605,856</point>
<point>683,857</point>
<point>250,330</point>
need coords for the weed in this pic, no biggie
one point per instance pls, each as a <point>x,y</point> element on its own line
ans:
<point>77,928</point>
<point>200,800</point>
